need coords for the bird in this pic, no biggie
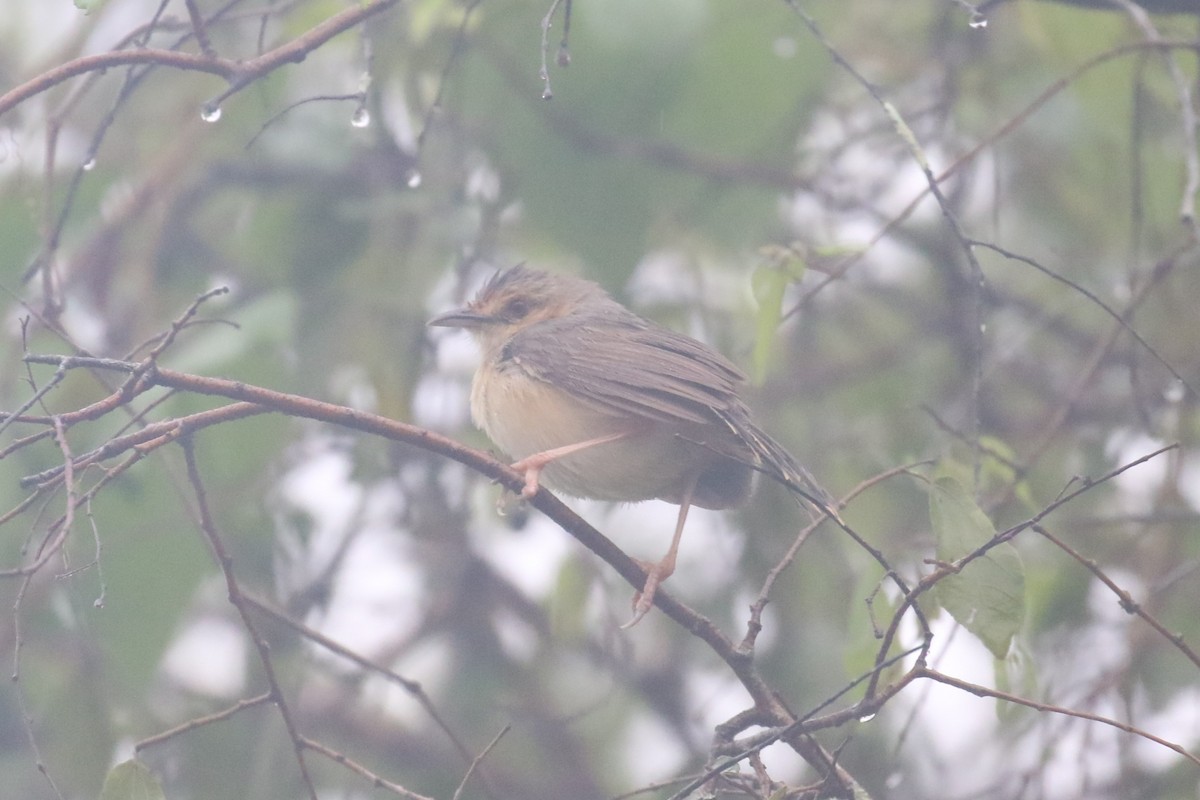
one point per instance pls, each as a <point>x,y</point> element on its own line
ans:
<point>595,401</point>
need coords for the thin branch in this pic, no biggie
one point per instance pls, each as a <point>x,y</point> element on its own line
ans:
<point>199,722</point>
<point>260,400</point>
<point>225,563</point>
<point>544,70</point>
<point>412,687</point>
<point>1129,605</point>
<point>477,760</point>
<point>1187,116</point>
<point>983,691</point>
<point>121,58</point>
<point>457,48</point>
<point>928,581</point>
<point>838,271</point>
<point>354,766</point>
<point>754,625</point>
<point>1119,319</point>
<point>237,73</point>
<point>200,29</point>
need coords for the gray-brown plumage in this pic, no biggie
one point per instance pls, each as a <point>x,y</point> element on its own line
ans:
<point>598,402</point>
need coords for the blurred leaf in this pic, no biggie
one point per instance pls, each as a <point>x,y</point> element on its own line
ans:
<point>769,285</point>
<point>568,601</point>
<point>988,596</point>
<point>131,780</point>
<point>784,265</point>
<point>1013,675</point>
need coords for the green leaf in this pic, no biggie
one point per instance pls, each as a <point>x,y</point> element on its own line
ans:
<point>568,603</point>
<point>131,780</point>
<point>988,596</point>
<point>769,282</point>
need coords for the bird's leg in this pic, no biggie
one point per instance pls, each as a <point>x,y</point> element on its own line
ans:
<point>659,572</point>
<point>533,465</point>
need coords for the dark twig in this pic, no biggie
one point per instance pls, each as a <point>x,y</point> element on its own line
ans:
<point>225,562</point>
<point>928,581</point>
<point>1119,319</point>
<point>1130,605</point>
<point>200,29</point>
<point>254,399</point>
<point>412,687</point>
<point>238,74</point>
<point>983,691</point>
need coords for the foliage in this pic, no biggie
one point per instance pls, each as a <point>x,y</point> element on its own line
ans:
<point>930,240</point>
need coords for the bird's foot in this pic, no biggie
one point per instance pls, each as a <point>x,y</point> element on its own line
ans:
<point>532,468</point>
<point>643,601</point>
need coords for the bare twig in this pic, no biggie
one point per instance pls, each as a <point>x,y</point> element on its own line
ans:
<point>199,722</point>
<point>412,687</point>
<point>928,581</point>
<point>238,74</point>
<point>1130,605</point>
<point>983,691</point>
<point>354,766</point>
<point>225,563</point>
<point>477,760</point>
<point>200,29</point>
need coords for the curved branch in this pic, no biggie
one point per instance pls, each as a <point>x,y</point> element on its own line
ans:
<point>145,375</point>
<point>237,73</point>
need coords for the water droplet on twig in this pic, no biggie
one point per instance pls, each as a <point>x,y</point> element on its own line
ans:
<point>210,113</point>
<point>361,118</point>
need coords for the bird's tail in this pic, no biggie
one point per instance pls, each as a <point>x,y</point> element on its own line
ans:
<point>778,463</point>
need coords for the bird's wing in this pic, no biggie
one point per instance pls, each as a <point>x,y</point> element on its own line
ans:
<point>629,366</point>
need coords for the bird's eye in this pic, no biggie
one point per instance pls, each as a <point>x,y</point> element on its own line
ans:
<point>516,308</point>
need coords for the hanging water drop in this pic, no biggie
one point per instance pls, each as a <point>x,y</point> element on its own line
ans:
<point>89,165</point>
<point>414,179</point>
<point>867,717</point>
<point>978,21</point>
<point>361,118</point>
<point>210,113</point>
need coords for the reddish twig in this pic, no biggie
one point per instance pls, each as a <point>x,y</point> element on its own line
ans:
<point>238,74</point>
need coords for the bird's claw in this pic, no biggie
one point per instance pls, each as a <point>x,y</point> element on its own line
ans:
<point>531,484</point>
<point>532,469</point>
<point>643,601</point>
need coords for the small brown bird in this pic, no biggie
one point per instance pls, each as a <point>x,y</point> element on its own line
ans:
<point>597,402</point>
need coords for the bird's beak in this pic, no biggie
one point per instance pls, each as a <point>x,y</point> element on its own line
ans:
<point>460,318</point>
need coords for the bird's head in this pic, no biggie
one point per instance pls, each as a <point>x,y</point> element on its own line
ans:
<point>519,297</point>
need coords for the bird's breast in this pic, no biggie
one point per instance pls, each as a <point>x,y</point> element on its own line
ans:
<point>524,415</point>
